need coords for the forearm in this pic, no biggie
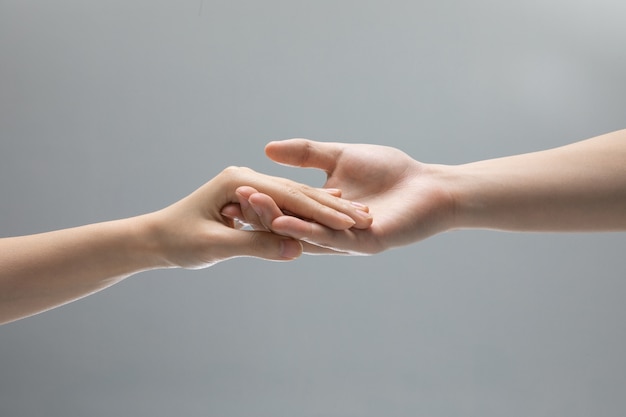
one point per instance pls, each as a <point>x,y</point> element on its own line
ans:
<point>43,271</point>
<point>578,187</point>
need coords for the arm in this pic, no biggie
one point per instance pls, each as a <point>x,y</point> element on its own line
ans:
<point>578,187</point>
<point>39,272</point>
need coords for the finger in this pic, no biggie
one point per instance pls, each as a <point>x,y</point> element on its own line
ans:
<point>336,213</point>
<point>233,215</point>
<point>259,244</point>
<point>306,202</point>
<point>232,211</point>
<point>250,216</point>
<point>259,210</point>
<point>265,208</point>
<point>322,155</point>
<point>268,211</point>
<point>346,241</point>
<point>335,192</point>
<point>305,153</point>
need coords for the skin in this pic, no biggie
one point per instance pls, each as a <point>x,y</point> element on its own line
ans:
<point>577,187</point>
<point>43,271</point>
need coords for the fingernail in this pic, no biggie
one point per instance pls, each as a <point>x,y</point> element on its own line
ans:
<point>331,190</point>
<point>290,249</point>
<point>346,218</point>
<point>360,206</point>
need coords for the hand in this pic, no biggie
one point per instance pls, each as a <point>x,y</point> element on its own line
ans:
<point>46,270</point>
<point>193,233</point>
<point>405,197</point>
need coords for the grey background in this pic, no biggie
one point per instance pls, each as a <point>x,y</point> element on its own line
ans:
<point>111,109</point>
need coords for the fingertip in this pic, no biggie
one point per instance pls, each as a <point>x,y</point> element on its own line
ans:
<point>265,207</point>
<point>232,211</point>
<point>364,219</point>
<point>260,198</point>
<point>245,191</point>
<point>335,192</point>
<point>346,221</point>
<point>291,152</point>
<point>272,146</point>
<point>269,145</point>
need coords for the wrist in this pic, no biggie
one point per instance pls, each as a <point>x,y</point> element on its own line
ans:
<point>488,195</point>
<point>445,184</point>
<point>147,241</point>
<point>471,186</point>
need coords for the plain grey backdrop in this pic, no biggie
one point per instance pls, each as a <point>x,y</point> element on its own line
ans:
<point>110,109</point>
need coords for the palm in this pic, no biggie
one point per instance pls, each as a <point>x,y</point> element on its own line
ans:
<point>402,200</point>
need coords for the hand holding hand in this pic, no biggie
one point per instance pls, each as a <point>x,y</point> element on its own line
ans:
<point>193,233</point>
<point>404,197</point>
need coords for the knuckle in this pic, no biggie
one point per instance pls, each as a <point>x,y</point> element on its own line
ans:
<point>293,192</point>
<point>307,152</point>
<point>234,170</point>
<point>230,172</point>
<point>306,188</point>
<point>235,174</point>
<point>231,169</point>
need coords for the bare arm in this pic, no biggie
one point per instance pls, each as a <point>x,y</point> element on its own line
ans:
<point>39,272</point>
<point>578,187</point>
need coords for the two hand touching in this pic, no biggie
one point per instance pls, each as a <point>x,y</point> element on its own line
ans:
<point>374,198</point>
<point>404,197</point>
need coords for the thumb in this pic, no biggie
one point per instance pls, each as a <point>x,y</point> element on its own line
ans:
<point>305,153</point>
<point>262,244</point>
